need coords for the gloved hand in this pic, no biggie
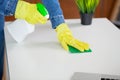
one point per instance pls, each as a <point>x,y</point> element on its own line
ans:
<point>27,11</point>
<point>66,38</point>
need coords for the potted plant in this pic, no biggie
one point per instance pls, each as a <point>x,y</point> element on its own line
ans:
<point>86,9</point>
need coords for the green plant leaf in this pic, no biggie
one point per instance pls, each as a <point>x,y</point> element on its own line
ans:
<point>87,6</point>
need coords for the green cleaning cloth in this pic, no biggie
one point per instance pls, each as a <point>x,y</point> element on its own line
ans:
<point>74,50</point>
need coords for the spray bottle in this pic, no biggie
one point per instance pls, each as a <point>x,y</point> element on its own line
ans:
<point>19,29</point>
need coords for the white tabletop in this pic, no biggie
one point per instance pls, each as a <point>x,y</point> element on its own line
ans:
<point>41,57</point>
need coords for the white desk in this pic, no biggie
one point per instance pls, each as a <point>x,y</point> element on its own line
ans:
<point>41,57</point>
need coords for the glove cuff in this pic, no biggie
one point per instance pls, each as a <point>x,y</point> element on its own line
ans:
<point>62,28</point>
<point>63,31</point>
<point>21,9</point>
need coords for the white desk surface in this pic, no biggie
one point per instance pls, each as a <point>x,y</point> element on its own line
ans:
<point>41,57</point>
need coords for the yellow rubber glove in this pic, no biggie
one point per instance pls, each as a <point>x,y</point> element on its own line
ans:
<point>27,11</point>
<point>66,38</point>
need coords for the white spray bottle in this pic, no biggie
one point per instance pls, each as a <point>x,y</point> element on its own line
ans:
<point>19,29</point>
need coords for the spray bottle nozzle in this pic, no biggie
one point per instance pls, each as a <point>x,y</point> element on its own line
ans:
<point>41,8</point>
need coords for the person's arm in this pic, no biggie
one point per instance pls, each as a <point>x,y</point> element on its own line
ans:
<point>10,7</point>
<point>23,10</point>
<point>55,12</point>
<point>3,4</point>
<point>64,34</point>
